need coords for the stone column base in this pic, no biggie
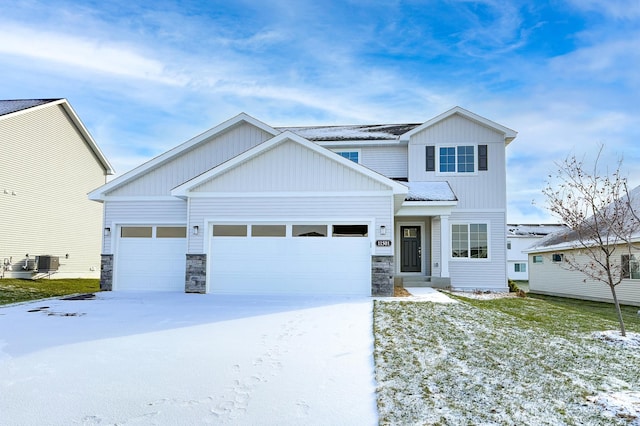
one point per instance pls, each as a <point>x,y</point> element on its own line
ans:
<point>106,272</point>
<point>196,274</point>
<point>382,275</point>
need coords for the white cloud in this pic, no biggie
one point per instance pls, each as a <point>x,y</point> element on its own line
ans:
<point>618,9</point>
<point>117,59</point>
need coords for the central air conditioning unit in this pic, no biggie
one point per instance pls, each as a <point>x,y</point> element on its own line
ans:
<point>48,263</point>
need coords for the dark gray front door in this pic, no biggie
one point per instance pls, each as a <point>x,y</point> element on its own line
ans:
<point>410,249</point>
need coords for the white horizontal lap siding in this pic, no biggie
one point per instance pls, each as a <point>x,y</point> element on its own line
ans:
<point>50,167</point>
<point>549,278</point>
<point>390,161</point>
<point>287,209</point>
<point>141,212</point>
<point>471,274</point>
<point>205,156</point>
<point>481,190</point>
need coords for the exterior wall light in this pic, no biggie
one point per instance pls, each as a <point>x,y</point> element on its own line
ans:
<point>196,228</point>
<point>383,230</point>
<point>107,232</point>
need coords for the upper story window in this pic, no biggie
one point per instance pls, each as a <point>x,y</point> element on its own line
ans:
<point>350,155</point>
<point>457,158</point>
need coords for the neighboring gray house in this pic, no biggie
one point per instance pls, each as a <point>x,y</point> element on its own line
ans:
<point>249,208</point>
<point>520,238</point>
<point>547,276</point>
<point>48,165</point>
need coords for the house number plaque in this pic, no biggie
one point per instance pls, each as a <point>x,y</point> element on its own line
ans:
<point>383,243</point>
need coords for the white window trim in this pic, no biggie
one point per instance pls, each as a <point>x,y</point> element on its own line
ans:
<point>469,259</point>
<point>456,173</point>
<point>356,150</point>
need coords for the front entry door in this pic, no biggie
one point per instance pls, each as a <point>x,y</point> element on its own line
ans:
<point>410,249</point>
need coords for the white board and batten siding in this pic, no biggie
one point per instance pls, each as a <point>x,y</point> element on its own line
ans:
<point>551,279</point>
<point>50,167</point>
<point>479,190</point>
<point>207,154</point>
<point>491,273</point>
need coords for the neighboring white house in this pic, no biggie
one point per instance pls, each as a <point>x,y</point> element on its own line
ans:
<point>48,164</point>
<point>520,238</point>
<point>249,208</point>
<point>547,276</point>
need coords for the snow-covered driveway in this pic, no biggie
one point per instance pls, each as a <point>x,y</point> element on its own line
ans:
<point>133,359</point>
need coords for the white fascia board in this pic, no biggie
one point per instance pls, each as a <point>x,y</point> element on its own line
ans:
<point>97,194</point>
<point>351,194</point>
<point>87,136</point>
<point>427,208</point>
<point>509,134</point>
<point>184,189</point>
<point>571,245</point>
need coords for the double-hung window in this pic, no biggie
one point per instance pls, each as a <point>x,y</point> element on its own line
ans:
<point>457,159</point>
<point>630,267</point>
<point>520,267</point>
<point>470,241</point>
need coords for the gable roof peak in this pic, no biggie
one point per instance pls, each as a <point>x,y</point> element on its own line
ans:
<point>509,134</point>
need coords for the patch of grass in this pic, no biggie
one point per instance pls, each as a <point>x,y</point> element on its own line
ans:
<point>17,290</point>
<point>561,315</point>
<point>501,361</point>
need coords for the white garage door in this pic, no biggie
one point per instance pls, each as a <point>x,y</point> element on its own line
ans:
<point>150,258</point>
<point>291,259</point>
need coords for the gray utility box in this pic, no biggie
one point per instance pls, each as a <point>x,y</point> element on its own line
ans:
<point>48,263</point>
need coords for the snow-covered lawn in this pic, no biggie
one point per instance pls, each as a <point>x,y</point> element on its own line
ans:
<point>470,363</point>
<point>184,359</point>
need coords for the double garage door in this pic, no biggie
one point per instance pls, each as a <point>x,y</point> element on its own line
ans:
<point>290,258</point>
<point>332,259</point>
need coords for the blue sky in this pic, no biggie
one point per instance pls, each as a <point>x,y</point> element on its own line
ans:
<point>146,75</point>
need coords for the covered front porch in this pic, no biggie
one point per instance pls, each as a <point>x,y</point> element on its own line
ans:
<point>421,229</point>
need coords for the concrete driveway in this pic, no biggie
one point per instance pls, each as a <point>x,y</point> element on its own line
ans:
<point>174,358</point>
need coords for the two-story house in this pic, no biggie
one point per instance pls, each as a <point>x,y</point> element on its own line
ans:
<point>249,208</point>
<point>48,164</point>
<point>519,238</point>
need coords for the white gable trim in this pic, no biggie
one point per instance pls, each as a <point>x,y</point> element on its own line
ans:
<point>77,122</point>
<point>185,189</point>
<point>509,134</point>
<point>98,194</point>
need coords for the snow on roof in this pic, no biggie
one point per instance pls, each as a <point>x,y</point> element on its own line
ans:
<point>430,191</point>
<point>533,230</point>
<point>14,105</point>
<point>563,239</point>
<point>351,132</point>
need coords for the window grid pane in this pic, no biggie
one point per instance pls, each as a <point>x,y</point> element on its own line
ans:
<point>465,159</point>
<point>349,155</point>
<point>478,241</point>
<point>447,159</point>
<point>459,241</point>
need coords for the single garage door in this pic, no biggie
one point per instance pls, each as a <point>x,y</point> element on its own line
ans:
<point>150,258</point>
<point>291,259</point>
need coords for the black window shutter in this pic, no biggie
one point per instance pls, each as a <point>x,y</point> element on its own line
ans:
<point>482,157</point>
<point>431,158</point>
<point>626,272</point>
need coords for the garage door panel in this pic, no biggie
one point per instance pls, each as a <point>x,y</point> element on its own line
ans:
<point>317,265</point>
<point>150,264</point>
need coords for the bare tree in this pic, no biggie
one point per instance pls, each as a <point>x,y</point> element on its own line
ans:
<point>598,210</point>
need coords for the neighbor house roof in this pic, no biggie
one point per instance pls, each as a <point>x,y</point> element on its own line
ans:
<point>567,238</point>
<point>533,230</point>
<point>9,108</point>
<point>15,105</point>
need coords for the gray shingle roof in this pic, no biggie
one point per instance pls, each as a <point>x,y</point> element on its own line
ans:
<point>351,132</point>
<point>14,105</point>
